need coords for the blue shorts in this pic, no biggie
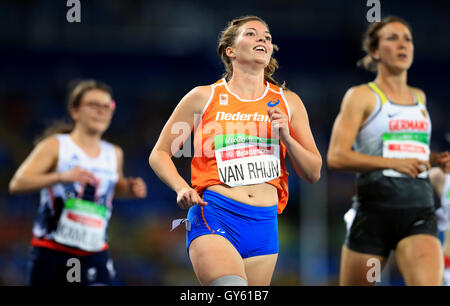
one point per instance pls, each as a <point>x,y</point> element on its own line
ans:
<point>252,230</point>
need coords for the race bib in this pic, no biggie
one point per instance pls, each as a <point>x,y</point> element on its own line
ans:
<point>405,145</point>
<point>82,224</point>
<point>244,160</point>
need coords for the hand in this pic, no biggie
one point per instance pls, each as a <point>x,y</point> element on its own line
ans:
<point>79,175</point>
<point>137,187</point>
<point>279,122</point>
<point>410,166</point>
<point>188,197</point>
<point>444,161</point>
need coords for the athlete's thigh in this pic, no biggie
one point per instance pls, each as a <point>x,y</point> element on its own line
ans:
<point>357,268</point>
<point>259,269</point>
<point>419,259</point>
<point>213,256</point>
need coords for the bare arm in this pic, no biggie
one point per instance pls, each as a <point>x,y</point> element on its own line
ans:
<point>356,106</point>
<point>38,170</point>
<point>437,178</point>
<point>299,141</point>
<point>128,187</point>
<point>160,159</point>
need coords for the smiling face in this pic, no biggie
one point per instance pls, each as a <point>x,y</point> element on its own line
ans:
<point>95,111</point>
<point>253,44</point>
<point>395,46</point>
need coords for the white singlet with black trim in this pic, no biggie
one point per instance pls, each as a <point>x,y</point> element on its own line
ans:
<point>395,131</point>
<point>72,214</point>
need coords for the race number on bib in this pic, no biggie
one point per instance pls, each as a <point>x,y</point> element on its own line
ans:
<point>405,145</point>
<point>245,160</point>
<point>82,224</point>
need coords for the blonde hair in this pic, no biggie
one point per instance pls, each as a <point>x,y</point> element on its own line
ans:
<point>227,38</point>
<point>371,39</point>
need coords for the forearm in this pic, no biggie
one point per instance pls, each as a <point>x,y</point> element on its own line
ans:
<point>434,159</point>
<point>123,189</point>
<point>165,169</point>
<point>357,162</point>
<point>29,183</point>
<point>307,164</point>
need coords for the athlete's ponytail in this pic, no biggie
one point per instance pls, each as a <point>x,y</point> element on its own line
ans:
<point>371,39</point>
<point>77,89</point>
<point>227,38</point>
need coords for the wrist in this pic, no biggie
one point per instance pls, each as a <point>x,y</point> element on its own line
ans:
<point>434,157</point>
<point>288,141</point>
<point>180,188</point>
<point>390,163</point>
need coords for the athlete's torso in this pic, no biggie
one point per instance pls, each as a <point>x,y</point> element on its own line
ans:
<point>236,153</point>
<point>73,215</point>
<point>395,131</point>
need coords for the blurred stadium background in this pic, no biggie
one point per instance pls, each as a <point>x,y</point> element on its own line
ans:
<point>152,53</point>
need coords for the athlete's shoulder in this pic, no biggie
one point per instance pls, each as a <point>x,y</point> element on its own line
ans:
<point>361,93</point>
<point>196,99</point>
<point>49,143</point>
<point>359,98</point>
<point>201,92</point>
<point>360,90</point>
<point>288,93</point>
<point>119,151</point>
<point>49,147</point>
<point>420,93</point>
<point>292,98</point>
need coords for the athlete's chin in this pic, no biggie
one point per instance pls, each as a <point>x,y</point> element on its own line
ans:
<point>98,127</point>
<point>261,62</point>
<point>400,67</point>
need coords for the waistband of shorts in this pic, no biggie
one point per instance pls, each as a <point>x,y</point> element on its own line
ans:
<point>215,198</point>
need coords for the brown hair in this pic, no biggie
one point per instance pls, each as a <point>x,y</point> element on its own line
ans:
<point>371,39</point>
<point>77,89</point>
<point>227,38</point>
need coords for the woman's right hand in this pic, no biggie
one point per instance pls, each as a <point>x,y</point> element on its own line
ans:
<point>187,197</point>
<point>79,175</point>
<point>410,166</point>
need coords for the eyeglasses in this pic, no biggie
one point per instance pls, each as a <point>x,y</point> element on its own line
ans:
<point>94,105</point>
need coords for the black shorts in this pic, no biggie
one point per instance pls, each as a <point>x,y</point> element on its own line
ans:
<point>377,230</point>
<point>49,267</point>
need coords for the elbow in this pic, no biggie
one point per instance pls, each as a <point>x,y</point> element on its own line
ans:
<point>314,178</point>
<point>13,187</point>
<point>333,161</point>
<point>152,158</point>
<point>155,158</point>
<point>316,174</point>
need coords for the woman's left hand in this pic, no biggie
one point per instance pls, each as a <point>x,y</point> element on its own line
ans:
<point>279,122</point>
<point>444,161</point>
<point>138,187</point>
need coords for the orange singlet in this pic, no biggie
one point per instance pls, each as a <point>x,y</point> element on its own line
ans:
<point>234,144</point>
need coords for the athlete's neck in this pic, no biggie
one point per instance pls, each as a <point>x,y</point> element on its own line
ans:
<point>392,82</point>
<point>247,84</point>
<point>88,142</point>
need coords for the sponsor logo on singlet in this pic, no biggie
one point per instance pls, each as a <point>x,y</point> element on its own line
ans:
<point>223,116</point>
